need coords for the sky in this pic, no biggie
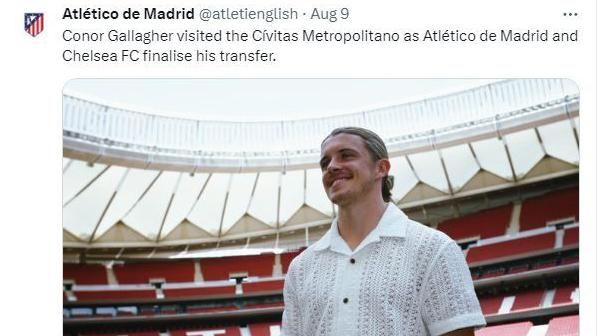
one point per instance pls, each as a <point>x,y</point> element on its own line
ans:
<point>261,99</point>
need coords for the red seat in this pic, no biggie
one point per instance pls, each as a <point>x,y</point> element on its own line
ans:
<point>491,305</point>
<point>263,286</point>
<point>199,291</point>
<point>511,247</point>
<point>518,269</point>
<point>563,326</point>
<point>224,331</point>
<point>513,329</point>
<point>115,295</point>
<point>563,294</point>
<point>85,274</point>
<point>171,271</point>
<point>569,260</point>
<point>263,329</point>
<point>528,299</point>
<point>221,268</point>
<point>485,224</point>
<point>286,258</point>
<point>537,211</point>
<point>493,273</point>
<point>571,236</point>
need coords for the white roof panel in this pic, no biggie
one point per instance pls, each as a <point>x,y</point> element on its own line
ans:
<point>264,205</point>
<point>460,164</point>
<point>207,212</point>
<point>559,142</point>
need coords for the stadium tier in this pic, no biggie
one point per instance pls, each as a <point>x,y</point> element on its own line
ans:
<point>263,286</point>
<point>510,248</point>
<point>554,206</point>
<point>85,274</point>
<point>571,236</point>
<point>143,272</point>
<point>221,268</point>
<point>115,294</point>
<point>198,291</point>
<point>561,326</point>
<point>484,224</point>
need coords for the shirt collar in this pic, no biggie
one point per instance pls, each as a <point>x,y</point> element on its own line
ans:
<point>391,224</point>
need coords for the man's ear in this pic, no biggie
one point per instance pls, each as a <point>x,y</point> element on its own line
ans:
<point>383,167</point>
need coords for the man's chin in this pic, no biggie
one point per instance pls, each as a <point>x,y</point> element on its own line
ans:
<point>340,199</point>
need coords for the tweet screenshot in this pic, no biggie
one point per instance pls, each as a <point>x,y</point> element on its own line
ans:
<point>286,168</point>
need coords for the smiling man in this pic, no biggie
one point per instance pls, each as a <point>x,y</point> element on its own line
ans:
<point>375,272</point>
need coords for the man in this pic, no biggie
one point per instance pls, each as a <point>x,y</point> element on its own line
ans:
<point>375,272</point>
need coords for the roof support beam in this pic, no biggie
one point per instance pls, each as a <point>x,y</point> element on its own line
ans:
<point>198,196</point>
<point>86,186</point>
<point>225,205</point>
<point>159,235</point>
<point>506,148</point>
<point>540,141</point>
<point>142,195</point>
<point>99,221</point>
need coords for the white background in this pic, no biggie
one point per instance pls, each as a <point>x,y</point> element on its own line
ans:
<point>33,75</point>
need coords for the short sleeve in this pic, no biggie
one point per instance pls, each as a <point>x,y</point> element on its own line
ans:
<point>448,300</point>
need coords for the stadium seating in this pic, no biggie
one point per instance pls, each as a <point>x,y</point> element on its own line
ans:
<point>569,260</point>
<point>196,310</point>
<point>85,274</point>
<point>530,299</point>
<point>537,211</point>
<point>171,271</point>
<point>571,236</point>
<point>221,268</point>
<point>263,286</point>
<point>518,269</point>
<point>511,248</point>
<point>492,273</point>
<point>286,258</point>
<point>491,305</point>
<point>512,329</point>
<point>484,224</point>
<point>199,291</point>
<point>563,295</point>
<point>563,326</point>
<point>115,295</point>
<point>544,264</point>
<point>263,329</point>
<point>224,331</point>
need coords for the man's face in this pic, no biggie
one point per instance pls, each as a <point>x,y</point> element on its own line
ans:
<point>349,172</point>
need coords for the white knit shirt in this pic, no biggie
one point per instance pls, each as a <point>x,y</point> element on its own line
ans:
<point>403,279</point>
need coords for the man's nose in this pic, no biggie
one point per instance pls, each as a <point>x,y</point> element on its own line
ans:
<point>333,165</point>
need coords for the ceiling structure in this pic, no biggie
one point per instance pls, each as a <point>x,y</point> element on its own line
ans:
<point>132,179</point>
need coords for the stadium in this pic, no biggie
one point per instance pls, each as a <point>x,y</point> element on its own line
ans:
<point>185,225</point>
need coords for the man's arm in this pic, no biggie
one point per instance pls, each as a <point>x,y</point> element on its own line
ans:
<point>462,332</point>
<point>292,312</point>
<point>449,305</point>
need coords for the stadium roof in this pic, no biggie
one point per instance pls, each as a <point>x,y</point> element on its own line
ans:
<point>132,178</point>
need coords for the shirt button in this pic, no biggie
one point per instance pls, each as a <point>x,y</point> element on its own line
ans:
<point>352,261</point>
<point>345,300</point>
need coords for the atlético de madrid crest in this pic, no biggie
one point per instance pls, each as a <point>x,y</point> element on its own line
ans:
<point>34,23</point>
